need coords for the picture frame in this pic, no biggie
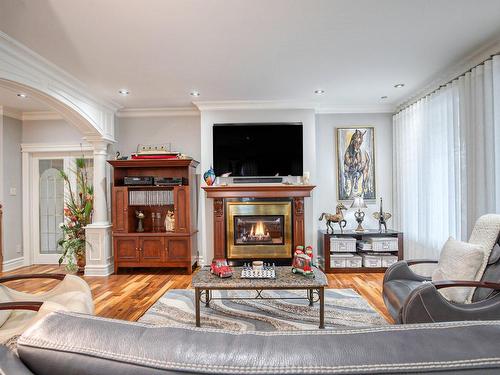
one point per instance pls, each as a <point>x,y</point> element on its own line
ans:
<point>356,173</point>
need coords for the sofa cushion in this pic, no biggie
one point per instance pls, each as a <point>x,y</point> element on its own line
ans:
<point>458,261</point>
<point>69,343</point>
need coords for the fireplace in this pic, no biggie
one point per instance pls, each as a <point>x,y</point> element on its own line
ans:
<point>259,229</point>
<point>253,203</point>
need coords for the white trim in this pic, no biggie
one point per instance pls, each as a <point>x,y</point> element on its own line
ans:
<point>10,265</point>
<point>40,116</point>
<point>453,71</point>
<point>49,147</point>
<point>13,113</point>
<point>94,270</point>
<point>373,108</point>
<point>157,112</point>
<point>225,105</point>
<point>23,69</point>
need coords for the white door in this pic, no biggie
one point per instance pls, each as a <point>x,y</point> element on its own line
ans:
<point>48,197</point>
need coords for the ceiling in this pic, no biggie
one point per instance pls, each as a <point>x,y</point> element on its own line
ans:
<point>12,102</point>
<point>252,49</point>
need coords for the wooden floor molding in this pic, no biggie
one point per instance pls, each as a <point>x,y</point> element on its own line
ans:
<point>130,293</point>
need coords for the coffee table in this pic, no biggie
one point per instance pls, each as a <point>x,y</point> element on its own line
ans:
<point>204,283</point>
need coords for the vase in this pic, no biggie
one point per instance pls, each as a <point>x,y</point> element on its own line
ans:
<point>209,177</point>
<point>80,262</point>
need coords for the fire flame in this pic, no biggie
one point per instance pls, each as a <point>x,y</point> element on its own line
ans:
<point>258,230</point>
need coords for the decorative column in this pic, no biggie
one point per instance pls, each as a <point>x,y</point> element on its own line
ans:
<point>219,229</point>
<point>99,258</point>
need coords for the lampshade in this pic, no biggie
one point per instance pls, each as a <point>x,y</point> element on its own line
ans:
<point>358,202</point>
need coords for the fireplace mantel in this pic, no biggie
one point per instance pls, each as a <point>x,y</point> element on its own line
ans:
<point>258,191</point>
<point>219,193</point>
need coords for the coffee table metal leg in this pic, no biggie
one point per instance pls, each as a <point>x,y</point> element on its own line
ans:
<point>197,304</point>
<point>321,307</point>
<point>310,295</point>
<point>207,297</point>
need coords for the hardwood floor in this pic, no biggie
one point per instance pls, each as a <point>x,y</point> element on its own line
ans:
<point>130,293</point>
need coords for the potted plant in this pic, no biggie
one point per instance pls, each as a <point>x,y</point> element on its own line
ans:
<point>77,215</point>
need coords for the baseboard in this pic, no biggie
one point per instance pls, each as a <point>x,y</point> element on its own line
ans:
<point>10,265</point>
<point>99,270</point>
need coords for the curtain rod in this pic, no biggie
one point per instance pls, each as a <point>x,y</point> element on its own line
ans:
<point>405,106</point>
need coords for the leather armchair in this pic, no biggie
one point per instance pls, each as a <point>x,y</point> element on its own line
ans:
<point>413,298</point>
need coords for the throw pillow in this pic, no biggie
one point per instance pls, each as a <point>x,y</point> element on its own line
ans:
<point>458,261</point>
<point>4,314</point>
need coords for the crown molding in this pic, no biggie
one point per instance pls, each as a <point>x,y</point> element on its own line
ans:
<point>370,108</point>
<point>157,112</point>
<point>13,113</point>
<point>56,147</point>
<point>23,69</point>
<point>451,72</point>
<point>41,115</point>
<point>228,105</point>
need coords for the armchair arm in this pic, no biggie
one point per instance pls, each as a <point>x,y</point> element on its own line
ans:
<point>462,283</point>
<point>57,276</point>
<point>420,261</point>
<point>30,305</point>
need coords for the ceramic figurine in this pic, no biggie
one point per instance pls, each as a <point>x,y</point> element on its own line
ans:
<point>382,218</point>
<point>338,217</point>
<point>302,262</point>
<point>209,176</point>
<point>170,221</point>
<point>140,218</point>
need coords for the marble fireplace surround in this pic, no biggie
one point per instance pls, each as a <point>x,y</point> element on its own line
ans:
<point>220,194</point>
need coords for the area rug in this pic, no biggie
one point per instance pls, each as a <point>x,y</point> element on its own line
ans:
<point>343,308</point>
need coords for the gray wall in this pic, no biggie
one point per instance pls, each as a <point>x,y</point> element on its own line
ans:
<point>183,132</point>
<point>326,192</point>
<point>12,179</point>
<point>50,131</point>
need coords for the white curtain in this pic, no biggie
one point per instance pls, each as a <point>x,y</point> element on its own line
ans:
<point>447,161</point>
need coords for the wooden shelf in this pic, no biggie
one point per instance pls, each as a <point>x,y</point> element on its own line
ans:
<point>155,249</point>
<point>357,270</point>
<point>324,249</point>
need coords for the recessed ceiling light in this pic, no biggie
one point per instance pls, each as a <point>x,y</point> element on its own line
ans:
<point>399,85</point>
<point>319,92</point>
<point>383,97</point>
<point>22,95</point>
<point>123,92</point>
<point>194,93</point>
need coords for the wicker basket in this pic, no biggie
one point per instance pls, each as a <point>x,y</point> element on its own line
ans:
<point>384,243</point>
<point>343,245</point>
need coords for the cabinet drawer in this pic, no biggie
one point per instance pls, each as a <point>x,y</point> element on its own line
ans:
<point>178,249</point>
<point>126,249</point>
<point>152,249</point>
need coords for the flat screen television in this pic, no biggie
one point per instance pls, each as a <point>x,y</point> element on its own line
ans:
<point>264,149</point>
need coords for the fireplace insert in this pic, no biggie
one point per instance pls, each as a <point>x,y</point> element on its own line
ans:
<point>259,229</point>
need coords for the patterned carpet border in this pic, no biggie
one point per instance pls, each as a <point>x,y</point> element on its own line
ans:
<point>343,308</point>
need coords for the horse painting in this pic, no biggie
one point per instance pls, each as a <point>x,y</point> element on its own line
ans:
<point>338,217</point>
<point>356,168</point>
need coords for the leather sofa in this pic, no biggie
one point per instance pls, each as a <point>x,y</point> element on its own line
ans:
<point>73,344</point>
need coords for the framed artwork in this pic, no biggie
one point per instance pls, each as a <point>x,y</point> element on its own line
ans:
<point>356,162</point>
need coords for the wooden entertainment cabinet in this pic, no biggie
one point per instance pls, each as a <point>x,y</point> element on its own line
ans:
<point>155,247</point>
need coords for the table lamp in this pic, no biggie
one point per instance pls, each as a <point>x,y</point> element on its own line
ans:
<point>359,203</point>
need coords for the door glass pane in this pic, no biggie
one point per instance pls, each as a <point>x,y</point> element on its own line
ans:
<point>51,204</point>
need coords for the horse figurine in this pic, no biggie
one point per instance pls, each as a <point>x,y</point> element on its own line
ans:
<point>356,165</point>
<point>382,218</point>
<point>338,217</point>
